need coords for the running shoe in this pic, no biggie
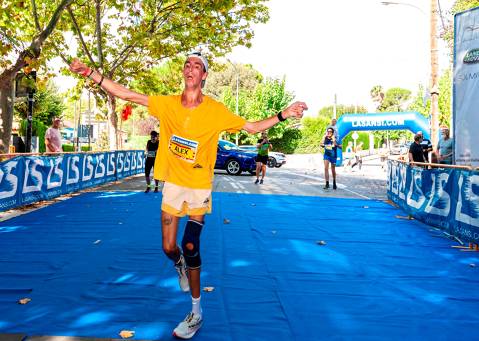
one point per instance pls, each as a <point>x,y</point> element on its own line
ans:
<point>256,182</point>
<point>261,182</point>
<point>334,185</point>
<point>182,274</point>
<point>156,189</point>
<point>147,189</point>
<point>326,186</point>
<point>188,327</point>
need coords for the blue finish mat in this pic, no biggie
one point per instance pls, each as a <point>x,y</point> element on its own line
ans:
<point>93,266</point>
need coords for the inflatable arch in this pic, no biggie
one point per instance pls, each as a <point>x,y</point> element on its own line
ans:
<point>410,120</point>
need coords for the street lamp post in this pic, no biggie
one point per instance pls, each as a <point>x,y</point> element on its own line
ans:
<point>434,84</point>
<point>237,93</point>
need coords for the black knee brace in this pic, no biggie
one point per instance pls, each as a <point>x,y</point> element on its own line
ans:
<point>191,244</point>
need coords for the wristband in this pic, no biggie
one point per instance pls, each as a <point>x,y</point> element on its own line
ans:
<point>101,80</point>
<point>91,72</point>
<point>87,72</point>
<point>280,117</point>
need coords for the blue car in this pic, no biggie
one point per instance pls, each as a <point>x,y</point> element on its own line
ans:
<point>234,160</point>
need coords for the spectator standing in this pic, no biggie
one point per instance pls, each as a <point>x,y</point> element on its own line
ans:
<point>426,145</point>
<point>416,151</point>
<point>53,138</point>
<point>445,147</point>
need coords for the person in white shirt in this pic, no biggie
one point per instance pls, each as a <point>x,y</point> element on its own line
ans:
<point>53,138</point>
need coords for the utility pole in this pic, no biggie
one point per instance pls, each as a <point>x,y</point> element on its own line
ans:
<point>434,76</point>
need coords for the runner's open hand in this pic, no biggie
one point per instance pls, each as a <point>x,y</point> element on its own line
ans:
<point>295,110</point>
<point>78,67</point>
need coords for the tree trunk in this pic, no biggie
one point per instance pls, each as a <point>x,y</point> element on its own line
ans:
<point>112,122</point>
<point>6,116</point>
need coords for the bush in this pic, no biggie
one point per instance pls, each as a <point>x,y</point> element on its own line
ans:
<point>71,148</point>
<point>289,142</point>
<point>38,129</point>
<point>362,137</point>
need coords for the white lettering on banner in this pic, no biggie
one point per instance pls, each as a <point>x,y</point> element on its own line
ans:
<point>127,162</point>
<point>416,187</point>
<point>140,160</point>
<point>395,184</point>
<point>111,164</point>
<point>470,197</point>
<point>376,122</point>
<point>87,165</point>
<point>402,181</point>
<point>120,161</point>
<point>54,167</point>
<point>438,183</point>
<point>100,165</point>
<point>73,163</point>
<point>133,161</point>
<point>35,175</point>
<point>10,178</point>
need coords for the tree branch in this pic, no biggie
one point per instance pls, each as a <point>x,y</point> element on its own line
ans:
<point>114,64</point>
<point>80,36</point>
<point>169,9</point>
<point>62,56</point>
<point>121,61</point>
<point>35,47</point>
<point>35,15</point>
<point>98,33</point>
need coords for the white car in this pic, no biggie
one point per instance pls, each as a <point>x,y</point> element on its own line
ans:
<point>275,159</point>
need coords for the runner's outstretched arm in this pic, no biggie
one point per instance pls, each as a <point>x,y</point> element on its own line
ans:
<point>294,110</point>
<point>108,85</point>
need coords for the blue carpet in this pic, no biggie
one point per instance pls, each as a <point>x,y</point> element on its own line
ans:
<point>93,266</point>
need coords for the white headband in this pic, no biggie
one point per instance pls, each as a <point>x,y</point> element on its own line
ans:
<point>200,57</point>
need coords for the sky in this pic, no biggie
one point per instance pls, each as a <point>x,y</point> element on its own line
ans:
<point>344,47</point>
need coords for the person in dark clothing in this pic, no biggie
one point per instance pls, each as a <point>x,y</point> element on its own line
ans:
<point>262,158</point>
<point>416,153</point>
<point>426,145</point>
<point>151,149</point>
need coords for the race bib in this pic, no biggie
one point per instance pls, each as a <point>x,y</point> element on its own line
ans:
<point>328,147</point>
<point>183,148</point>
<point>151,153</point>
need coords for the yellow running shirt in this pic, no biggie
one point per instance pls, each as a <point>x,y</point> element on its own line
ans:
<point>189,139</point>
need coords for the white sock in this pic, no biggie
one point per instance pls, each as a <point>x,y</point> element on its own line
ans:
<point>196,306</point>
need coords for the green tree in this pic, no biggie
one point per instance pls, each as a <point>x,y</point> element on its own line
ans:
<point>341,109</point>
<point>22,22</point>
<point>377,95</point>
<point>312,132</point>
<point>395,99</point>
<point>48,104</point>
<point>146,32</point>
<point>224,77</point>
<point>268,98</point>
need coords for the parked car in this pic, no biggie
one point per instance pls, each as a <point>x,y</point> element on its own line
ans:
<point>275,159</point>
<point>400,148</point>
<point>233,159</point>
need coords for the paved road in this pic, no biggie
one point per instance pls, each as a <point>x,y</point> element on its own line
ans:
<point>369,182</point>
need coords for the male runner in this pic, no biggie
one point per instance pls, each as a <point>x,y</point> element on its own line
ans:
<point>190,125</point>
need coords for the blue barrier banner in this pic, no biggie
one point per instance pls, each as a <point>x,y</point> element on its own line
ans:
<point>25,180</point>
<point>11,176</point>
<point>446,198</point>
